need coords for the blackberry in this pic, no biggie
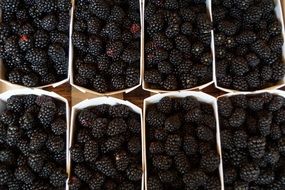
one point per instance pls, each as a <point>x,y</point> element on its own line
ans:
<point>15,76</point>
<point>264,123</point>
<point>210,162</point>
<point>190,145</point>
<point>99,126</point>
<point>230,175</point>
<point>24,174</point>
<point>195,179</point>
<point>276,103</point>
<point>276,44</point>
<point>100,8</point>
<point>265,178</point>
<point>182,43</point>
<point>91,151</point>
<point>239,83</point>
<point>130,56</point>
<point>13,135</point>
<point>121,160</point>
<point>64,5</point>
<point>9,6</point>
<point>58,127</point>
<point>7,156</point>
<point>36,56</point>
<point>82,172</point>
<point>155,118</point>
<point>239,139</point>
<point>112,144</point>
<point>161,41</point>
<point>49,22</point>
<point>237,118</point>
<point>58,178</point>
<point>74,183</point>
<point>37,140</point>
<point>249,172</point>
<point>5,174</point>
<point>30,80</point>
<point>77,153</point>
<point>100,84</point>
<point>181,163</point>
<point>239,66</point>
<point>134,125</point>
<point>160,134</point>
<point>47,113</point>
<point>256,147</point>
<point>134,173</point>
<point>106,166</point>
<point>193,115</point>
<point>227,27</point>
<point>86,118</point>
<point>134,145</point>
<point>252,60</point>
<point>55,144</point>
<point>154,183</point>
<point>36,162</point>
<point>152,76</point>
<point>225,106</point>
<point>278,71</point>
<point>118,82</point>
<point>162,162</point>
<point>172,123</point>
<point>172,144</point>
<point>96,181</point>
<point>205,133</point>
<point>79,40</point>
<point>167,176</point>
<point>204,24</point>
<point>188,81</point>
<point>156,148</point>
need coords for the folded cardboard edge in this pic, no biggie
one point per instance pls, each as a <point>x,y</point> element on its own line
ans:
<point>201,96</point>
<point>110,101</point>
<point>280,15</point>
<point>25,91</point>
<point>127,90</point>
<point>145,85</point>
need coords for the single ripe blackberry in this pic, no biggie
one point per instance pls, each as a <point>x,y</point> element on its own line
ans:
<point>55,144</point>
<point>172,123</point>
<point>112,144</point>
<point>249,172</point>
<point>256,147</point>
<point>165,105</point>
<point>13,135</point>
<point>119,110</point>
<point>77,153</point>
<point>96,181</point>
<point>15,76</point>
<point>37,140</point>
<point>152,76</point>
<point>173,144</point>
<point>30,80</point>
<point>58,178</point>
<point>195,179</point>
<point>134,145</point>
<point>239,66</point>
<point>134,173</point>
<point>210,162</point>
<point>116,127</point>
<point>237,118</point>
<point>118,82</point>
<point>154,183</point>
<point>82,172</point>
<point>121,160</point>
<point>106,166</point>
<point>193,115</point>
<point>100,84</point>
<point>74,183</point>
<point>5,174</point>
<point>36,162</point>
<point>182,163</point>
<point>239,138</point>
<point>91,149</point>
<point>132,77</point>
<point>58,127</point>
<point>24,174</point>
<point>47,113</point>
<point>162,162</point>
<point>190,145</point>
<point>100,8</point>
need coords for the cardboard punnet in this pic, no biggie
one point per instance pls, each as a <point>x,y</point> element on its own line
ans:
<point>202,97</point>
<point>146,86</point>
<point>25,91</point>
<point>127,90</point>
<point>56,84</point>
<point>280,16</point>
<point>110,101</point>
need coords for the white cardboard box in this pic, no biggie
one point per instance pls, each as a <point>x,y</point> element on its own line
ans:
<point>25,91</point>
<point>110,101</point>
<point>280,16</point>
<point>202,97</point>
<point>146,85</point>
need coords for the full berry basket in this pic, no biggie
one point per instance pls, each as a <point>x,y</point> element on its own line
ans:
<point>126,90</point>
<point>201,97</point>
<point>146,86</point>
<point>3,70</point>
<point>265,94</point>
<point>38,92</point>
<point>279,11</point>
<point>99,101</point>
